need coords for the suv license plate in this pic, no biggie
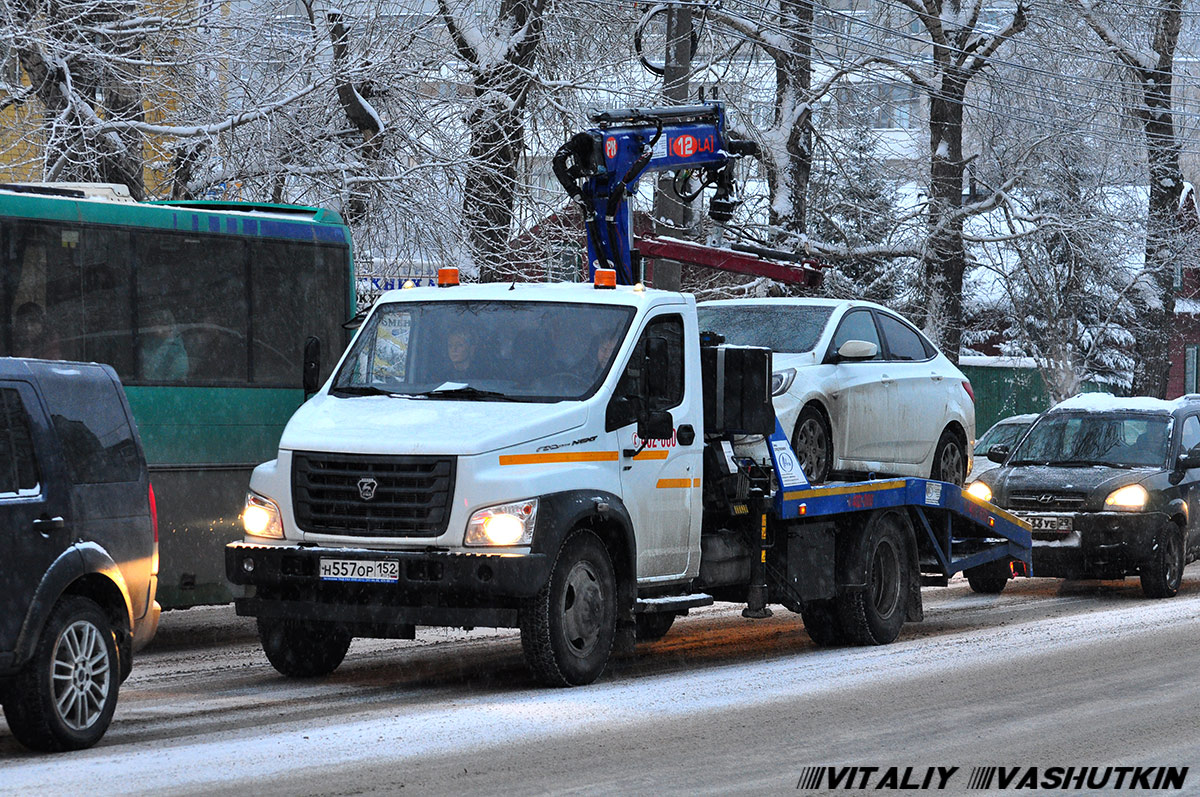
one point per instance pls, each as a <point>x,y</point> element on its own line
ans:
<point>1057,523</point>
<point>377,570</point>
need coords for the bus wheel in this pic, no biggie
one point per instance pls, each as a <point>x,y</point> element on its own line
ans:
<point>302,649</point>
<point>873,615</point>
<point>567,629</point>
<point>64,698</point>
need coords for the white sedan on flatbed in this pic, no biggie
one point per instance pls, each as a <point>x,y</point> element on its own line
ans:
<point>858,388</point>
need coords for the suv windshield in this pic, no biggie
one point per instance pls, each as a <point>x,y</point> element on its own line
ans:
<point>780,327</point>
<point>484,350</point>
<point>1110,438</point>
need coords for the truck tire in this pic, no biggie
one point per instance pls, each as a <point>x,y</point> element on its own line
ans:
<point>812,443</point>
<point>301,648</point>
<point>874,615</point>
<point>822,624</point>
<point>567,629</point>
<point>64,698</point>
<point>653,626</point>
<point>1162,574</point>
<point>988,579</point>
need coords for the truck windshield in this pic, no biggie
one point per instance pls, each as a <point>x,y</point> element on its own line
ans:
<point>781,327</point>
<point>484,350</point>
<point>1112,439</point>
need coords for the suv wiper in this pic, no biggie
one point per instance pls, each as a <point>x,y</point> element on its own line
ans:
<point>362,390</point>
<point>470,394</point>
<point>1085,463</point>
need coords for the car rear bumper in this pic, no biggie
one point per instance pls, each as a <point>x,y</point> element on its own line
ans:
<point>436,588</point>
<point>1101,545</point>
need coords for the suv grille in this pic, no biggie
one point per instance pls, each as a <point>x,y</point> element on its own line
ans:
<point>1046,500</point>
<point>372,496</point>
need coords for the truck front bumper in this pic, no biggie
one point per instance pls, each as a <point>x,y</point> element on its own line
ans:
<point>434,588</point>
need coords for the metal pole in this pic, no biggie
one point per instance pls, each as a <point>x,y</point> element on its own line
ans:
<point>670,214</point>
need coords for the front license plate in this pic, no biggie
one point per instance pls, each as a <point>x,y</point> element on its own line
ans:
<point>377,570</point>
<point>1056,523</point>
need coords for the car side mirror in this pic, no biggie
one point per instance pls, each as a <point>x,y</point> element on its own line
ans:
<point>857,350</point>
<point>656,425</point>
<point>998,453</point>
<point>311,378</point>
<point>1188,460</point>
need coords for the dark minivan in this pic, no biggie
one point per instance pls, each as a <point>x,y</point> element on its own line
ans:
<point>1111,487</point>
<point>78,550</point>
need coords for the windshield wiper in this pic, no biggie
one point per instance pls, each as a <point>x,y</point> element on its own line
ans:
<point>470,394</point>
<point>1085,463</point>
<point>363,390</point>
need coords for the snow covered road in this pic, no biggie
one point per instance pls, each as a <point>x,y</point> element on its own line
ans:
<point>1046,673</point>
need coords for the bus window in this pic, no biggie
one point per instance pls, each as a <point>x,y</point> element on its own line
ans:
<point>299,290</point>
<point>192,309</point>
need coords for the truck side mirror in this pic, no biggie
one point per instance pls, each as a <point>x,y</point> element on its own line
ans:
<point>857,350</point>
<point>656,425</point>
<point>998,453</point>
<point>311,378</point>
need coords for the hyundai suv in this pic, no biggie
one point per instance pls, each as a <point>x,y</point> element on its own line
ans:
<point>1111,487</point>
<point>78,550</point>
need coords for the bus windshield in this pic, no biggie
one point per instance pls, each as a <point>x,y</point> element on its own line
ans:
<point>484,350</point>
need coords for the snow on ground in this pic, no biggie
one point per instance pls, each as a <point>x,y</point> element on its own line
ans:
<point>395,732</point>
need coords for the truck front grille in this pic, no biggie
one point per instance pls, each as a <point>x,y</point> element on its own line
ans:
<point>372,496</point>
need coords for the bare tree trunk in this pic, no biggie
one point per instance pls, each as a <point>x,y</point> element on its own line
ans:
<point>788,180</point>
<point>673,216</point>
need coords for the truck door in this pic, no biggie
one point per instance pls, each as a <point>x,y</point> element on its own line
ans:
<point>661,481</point>
<point>32,524</point>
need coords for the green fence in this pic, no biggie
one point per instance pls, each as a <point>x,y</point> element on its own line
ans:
<point>1003,389</point>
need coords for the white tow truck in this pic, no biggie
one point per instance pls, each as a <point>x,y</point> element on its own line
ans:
<point>562,459</point>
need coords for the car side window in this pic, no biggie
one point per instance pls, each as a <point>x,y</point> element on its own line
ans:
<point>622,409</point>
<point>857,325</point>
<point>1191,434</point>
<point>903,342</point>
<point>18,462</point>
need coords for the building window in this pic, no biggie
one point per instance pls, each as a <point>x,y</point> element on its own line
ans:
<point>1189,369</point>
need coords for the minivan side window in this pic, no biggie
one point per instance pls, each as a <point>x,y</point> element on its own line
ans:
<point>857,325</point>
<point>91,423</point>
<point>18,464</point>
<point>903,341</point>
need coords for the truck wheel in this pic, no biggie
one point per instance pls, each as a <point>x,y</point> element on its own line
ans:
<point>813,444</point>
<point>1162,574</point>
<point>567,629</point>
<point>874,615</point>
<point>988,579</point>
<point>822,624</point>
<point>64,698</point>
<point>653,626</point>
<point>302,649</point>
<point>949,460</point>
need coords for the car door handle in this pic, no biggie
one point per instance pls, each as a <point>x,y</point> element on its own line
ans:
<point>937,377</point>
<point>887,380</point>
<point>45,524</point>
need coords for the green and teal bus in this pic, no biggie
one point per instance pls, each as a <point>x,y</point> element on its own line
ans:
<point>203,309</point>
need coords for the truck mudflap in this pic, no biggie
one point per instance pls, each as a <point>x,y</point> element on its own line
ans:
<point>435,588</point>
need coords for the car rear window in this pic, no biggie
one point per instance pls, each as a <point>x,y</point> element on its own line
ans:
<point>782,327</point>
<point>90,420</point>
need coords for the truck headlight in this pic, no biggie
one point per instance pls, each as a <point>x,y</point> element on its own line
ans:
<point>260,518</point>
<point>503,524</point>
<point>1129,499</point>
<point>782,380</point>
<point>980,491</point>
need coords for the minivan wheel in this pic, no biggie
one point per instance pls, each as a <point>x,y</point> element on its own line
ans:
<point>813,444</point>
<point>302,649</point>
<point>64,698</point>
<point>949,460</point>
<point>1162,575</point>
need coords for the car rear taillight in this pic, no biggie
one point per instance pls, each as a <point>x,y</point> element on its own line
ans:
<point>970,392</point>
<point>154,514</point>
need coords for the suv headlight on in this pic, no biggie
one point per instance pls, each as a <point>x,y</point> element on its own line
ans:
<point>1128,499</point>
<point>980,491</point>
<point>503,524</point>
<point>782,380</point>
<point>260,518</point>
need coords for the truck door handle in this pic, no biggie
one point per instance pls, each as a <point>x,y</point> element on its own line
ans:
<point>45,524</point>
<point>686,435</point>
